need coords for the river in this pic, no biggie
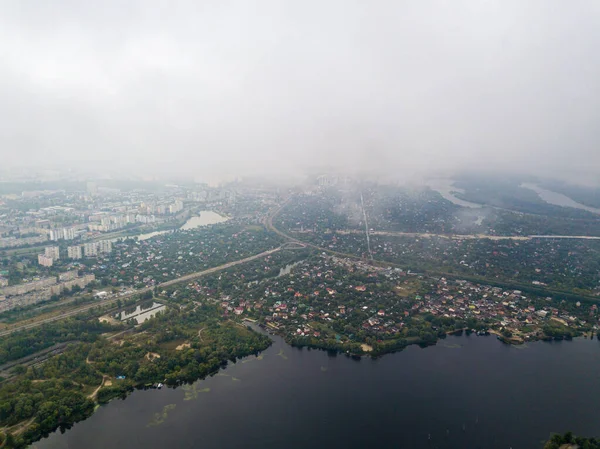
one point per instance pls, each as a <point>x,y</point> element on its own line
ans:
<point>447,189</point>
<point>466,392</point>
<point>558,199</point>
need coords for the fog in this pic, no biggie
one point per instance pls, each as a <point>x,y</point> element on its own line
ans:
<point>406,88</point>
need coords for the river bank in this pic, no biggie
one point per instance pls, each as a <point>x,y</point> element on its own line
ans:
<point>418,398</point>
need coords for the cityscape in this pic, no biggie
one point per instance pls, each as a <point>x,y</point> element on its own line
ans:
<point>278,224</point>
<point>346,265</point>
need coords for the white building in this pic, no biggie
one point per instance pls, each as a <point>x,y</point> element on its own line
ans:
<point>177,206</point>
<point>61,233</point>
<point>145,218</point>
<point>52,252</point>
<point>90,249</point>
<point>69,233</point>
<point>74,252</point>
<point>45,261</point>
<point>55,234</point>
<point>105,246</point>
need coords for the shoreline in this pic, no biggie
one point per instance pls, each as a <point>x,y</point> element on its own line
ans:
<point>254,326</point>
<point>374,353</point>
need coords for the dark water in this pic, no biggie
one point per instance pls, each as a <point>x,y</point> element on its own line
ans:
<point>466,392</point>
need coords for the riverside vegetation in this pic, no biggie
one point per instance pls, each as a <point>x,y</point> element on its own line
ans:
<point>329,302</point>
<point>177,346</point>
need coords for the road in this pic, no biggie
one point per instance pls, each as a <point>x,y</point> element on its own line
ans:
<point>111,301</point>
<point>467,236</point>
<point>268,222</point>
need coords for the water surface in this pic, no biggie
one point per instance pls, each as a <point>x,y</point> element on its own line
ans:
<point>206,217</point>
<point>141,314</point>
<point>466,392</point>
<point>149,235</point>
<point>447,189</point>
<point>558,199</point>
<point>288,268</point>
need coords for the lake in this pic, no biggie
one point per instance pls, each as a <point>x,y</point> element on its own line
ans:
<point>466,392</point>
<point>288,268</point>
<point>149,235</point>
<point>141,314</point>
<point>206,217</point>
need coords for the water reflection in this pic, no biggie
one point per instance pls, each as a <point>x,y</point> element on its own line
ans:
<point>141,313</point>
<point>454,395</point>
<point>287,269</point>
<point>558,199</point>
<point>149,235</point>
<point>446,188</point>
<point>206,217</point>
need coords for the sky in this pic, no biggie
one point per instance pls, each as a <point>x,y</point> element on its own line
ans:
<point>279,86</point>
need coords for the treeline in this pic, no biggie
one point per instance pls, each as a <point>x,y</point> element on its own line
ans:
<point>24,343</point>
<point>557,331</point>
<point>559,442</point>
<point>177,346</point>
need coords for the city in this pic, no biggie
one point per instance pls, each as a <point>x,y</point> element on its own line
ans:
<point>300,263</point>
<point>279,224</point>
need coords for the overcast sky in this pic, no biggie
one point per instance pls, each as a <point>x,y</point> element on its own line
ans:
<point>244,86</point>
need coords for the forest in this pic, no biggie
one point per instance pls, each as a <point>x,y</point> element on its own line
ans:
<point>178,346</point>
<point>21,344</point>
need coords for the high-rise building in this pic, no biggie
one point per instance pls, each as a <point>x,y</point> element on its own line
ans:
<point>74,252</point>
<point>52,252</point>
<point>177,206</point>
<point>105,246</point>
<point>61,233</point>
<point>56,234</point>
<point>90,249</point>
<point>45,261</point>
<point>69,233</point>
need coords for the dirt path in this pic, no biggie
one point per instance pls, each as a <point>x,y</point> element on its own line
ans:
<point>94,393</point>
<point>19,428</point>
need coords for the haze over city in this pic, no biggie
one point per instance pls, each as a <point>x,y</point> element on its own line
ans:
<point>222,88</point>
<point>291,224</point>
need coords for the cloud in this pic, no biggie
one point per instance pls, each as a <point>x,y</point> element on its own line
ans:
<point>277,86</point>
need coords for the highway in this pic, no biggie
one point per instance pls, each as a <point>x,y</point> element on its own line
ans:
<point>291,243</point>
<point>268,222</point>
